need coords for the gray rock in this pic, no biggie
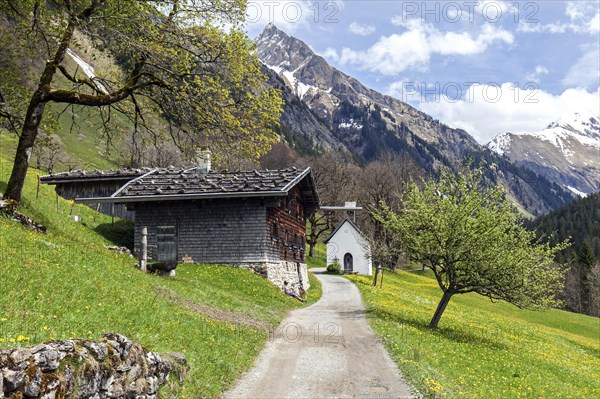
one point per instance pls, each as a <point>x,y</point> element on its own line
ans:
<point>13,379</point>
<point>115,390</point>
<point>113,368</point>
<point>47,360</point>
<point>98,349</point>
<point>33,384</point>
<point>63,347</point>
<point>20,357</point>
<point>69,380</point>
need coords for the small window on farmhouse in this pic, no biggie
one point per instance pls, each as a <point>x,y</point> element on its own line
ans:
<point>275,231</point>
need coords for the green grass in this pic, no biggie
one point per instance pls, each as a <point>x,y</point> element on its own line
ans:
<point>80,137</point>
<point>482,349</point>
<point>65,284</point>
<point>320,258</point>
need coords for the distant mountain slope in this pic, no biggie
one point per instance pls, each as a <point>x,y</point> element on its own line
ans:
<point>302,129</point>
<point>367,123</point>
<point>566,152</point>
<point>579,220</point>
<point>343,102</point>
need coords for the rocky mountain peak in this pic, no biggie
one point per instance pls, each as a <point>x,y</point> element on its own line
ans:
<point>277,48</point>
<point>331,110</point>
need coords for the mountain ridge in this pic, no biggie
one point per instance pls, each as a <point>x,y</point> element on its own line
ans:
<point>566,152</point>
<point>368,124</point>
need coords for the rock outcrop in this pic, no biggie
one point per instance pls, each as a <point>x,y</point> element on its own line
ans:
<point>114,367</point>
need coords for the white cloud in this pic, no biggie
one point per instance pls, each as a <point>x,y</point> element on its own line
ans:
<point>492,9</point>
<point>331,54</point>
<point>290,16</point>
<point>535,76</point>
<point>586,71</point>
<point>594,25</point>
<point>400,89</point>
<point>484,111</point>
<point>584,18</point>
<point>413,48</point>
<point>361,29</point>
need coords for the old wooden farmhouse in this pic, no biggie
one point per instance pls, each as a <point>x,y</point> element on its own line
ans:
<point>253,219</point>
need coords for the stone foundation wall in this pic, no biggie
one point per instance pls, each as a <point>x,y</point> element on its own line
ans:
<point>114,367</point>
<point>293,272</point>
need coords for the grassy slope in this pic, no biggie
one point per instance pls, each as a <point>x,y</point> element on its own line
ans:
<point>483,349</point>
<point>65,284</point>
<point>81,141</point>
<point>320,259</point>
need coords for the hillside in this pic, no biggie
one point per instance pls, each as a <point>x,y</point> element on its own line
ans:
<point>482,349</point>
<point>66,284</point>
<point>579,220</point>
<point>566,152</point>
<point>336,113</point>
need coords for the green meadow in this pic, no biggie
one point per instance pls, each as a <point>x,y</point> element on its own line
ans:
<point>65,284</point>
<point>482,349</point>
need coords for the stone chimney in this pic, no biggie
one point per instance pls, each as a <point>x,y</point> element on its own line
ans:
<point>203,161</point>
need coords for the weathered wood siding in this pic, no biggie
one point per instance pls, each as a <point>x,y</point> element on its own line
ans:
<point>286,225</point>
<point>208,231</point>
<point>96,189</point>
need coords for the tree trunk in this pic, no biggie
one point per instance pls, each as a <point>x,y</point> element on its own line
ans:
<point>35,112</point>
<point>440,309</point>
<point>375,276</point>
<point>311,249</point>
<point>26,141</point>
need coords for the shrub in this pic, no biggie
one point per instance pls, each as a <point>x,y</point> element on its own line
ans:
<point>335,267</point>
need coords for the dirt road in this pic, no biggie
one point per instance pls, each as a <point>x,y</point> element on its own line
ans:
<point>326,350</point>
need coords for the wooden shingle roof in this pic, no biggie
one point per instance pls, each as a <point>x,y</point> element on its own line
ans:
<point>164,182</point>
<point>168,184</point>
<point>79,175</point>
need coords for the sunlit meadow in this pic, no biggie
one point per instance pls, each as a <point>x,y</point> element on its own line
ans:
<point>65,284</point>
<point>482,349</point>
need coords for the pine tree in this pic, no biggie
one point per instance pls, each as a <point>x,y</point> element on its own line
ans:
<point>586,261</point>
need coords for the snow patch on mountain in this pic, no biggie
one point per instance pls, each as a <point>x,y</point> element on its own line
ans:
<point>576,192</point>
<point>87,69</point>
<point>350,125</point>
<point>300,88</point>
<point>500,143</point>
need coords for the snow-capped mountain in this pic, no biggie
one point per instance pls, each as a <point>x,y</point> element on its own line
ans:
<point>343,103</point>
<point>332,111</point>
<point>567,151</point>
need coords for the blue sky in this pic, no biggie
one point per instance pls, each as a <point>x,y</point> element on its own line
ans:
<point>484,66</point>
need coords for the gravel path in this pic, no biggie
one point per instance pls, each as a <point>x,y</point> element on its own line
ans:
<point>326,350</point>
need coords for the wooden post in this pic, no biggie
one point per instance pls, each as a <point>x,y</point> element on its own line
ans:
<point>112,212</point>
<point>144,257</point>
<point>37,193</point>
<point>56,202</point>
<point>377,271</point>
<point>97,209</point>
